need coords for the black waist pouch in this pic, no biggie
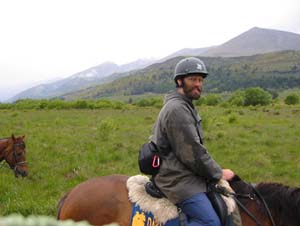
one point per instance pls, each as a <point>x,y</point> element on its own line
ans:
<point>149,160</point>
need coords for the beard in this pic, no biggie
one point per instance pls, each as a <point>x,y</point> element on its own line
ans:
<point>192,93</point>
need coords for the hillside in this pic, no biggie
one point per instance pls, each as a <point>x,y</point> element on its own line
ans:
<point>187,52</point>
<point>256,41</point>
<point>92,76</point>
<point>278,70</point>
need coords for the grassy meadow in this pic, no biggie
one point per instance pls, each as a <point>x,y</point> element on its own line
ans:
<point>66,147</point>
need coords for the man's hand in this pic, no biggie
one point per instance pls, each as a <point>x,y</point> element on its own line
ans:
<point>227,174</point>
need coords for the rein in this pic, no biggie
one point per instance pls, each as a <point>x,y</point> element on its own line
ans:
<point>14,168</point>
<point>265,205</point>
<point>250,196</point>
<point>247,211</point>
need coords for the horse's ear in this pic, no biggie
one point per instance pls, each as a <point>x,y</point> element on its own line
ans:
<point>235,178</point>
<point>13,137</point>
<point>23,137</point>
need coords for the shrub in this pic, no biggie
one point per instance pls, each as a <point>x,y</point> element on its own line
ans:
<point>143,103</point>
<point>225,104</point>
<point>257,96</point>
<point>212,99</point>
<point>5,106</point>
<point>292,99</point>
<point>107,128</point>
<point>57,104</point>
<point>26,104</point>
<point>158,102</point>
<point>81,104</point>
<point>220,135</point>
<point>237,98</point>
<point>200,101</point>
<point>118,105</point>
<point>43,104</point>
<point>102,103</point>
<point>232,118</point>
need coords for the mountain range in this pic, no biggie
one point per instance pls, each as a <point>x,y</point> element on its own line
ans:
<point>252,42</point>
<point>272,71</point>
<point>90,77</point>
<point>257,40</point>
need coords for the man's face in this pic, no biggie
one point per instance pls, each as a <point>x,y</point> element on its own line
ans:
<point>192,86</point>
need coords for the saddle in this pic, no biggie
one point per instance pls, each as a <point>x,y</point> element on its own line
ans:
<point>162,208</point>
<point>219,204</point>
<point>213,195</point>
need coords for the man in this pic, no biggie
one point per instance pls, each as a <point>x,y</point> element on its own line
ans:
<point>187,167</point>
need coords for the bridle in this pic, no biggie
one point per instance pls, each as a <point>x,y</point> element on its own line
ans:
<point>252,196</point>
<point>15,145</point>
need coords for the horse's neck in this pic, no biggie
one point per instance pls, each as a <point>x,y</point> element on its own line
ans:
<point>3,146</point>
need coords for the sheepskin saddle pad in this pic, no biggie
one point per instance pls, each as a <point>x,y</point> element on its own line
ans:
<point>158,211</point>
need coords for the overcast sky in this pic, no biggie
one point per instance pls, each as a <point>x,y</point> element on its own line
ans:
<point>45,39</point>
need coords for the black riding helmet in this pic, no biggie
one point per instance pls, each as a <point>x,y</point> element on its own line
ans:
<point>189,66</point>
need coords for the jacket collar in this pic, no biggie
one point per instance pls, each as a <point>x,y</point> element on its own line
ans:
<point>176,95</point>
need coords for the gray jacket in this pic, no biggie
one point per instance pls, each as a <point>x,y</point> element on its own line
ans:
<point>186,165</point>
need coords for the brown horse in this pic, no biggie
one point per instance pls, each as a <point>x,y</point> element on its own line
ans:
<point>13,150</point>
<point>104,200</point>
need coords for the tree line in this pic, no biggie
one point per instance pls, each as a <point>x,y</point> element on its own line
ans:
<point>247,97</point>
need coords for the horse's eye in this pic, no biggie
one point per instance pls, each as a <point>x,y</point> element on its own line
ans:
<point>19,154</point>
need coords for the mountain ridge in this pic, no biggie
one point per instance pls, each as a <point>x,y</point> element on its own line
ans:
<point>89,77</point>
<point>255,41</point>
<point>278,70</point>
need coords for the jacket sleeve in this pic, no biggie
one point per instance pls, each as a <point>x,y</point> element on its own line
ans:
<point>185,142</point>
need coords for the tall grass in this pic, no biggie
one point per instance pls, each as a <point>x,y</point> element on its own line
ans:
<point>66,147</point>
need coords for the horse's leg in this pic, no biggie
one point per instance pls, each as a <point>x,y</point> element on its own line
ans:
<point>100,201</point>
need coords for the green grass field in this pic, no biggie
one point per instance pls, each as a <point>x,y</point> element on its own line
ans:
<point>65,147</point>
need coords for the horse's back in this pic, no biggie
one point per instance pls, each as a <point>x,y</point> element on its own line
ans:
<point>100,200</point>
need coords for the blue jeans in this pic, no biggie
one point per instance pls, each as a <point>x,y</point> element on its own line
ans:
<point>199,211</point>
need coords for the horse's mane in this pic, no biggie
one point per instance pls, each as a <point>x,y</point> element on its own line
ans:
<point>60,204</point>
<point>283,201</point>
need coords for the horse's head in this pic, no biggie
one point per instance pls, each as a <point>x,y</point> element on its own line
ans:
<point>16,156</point>
<point>240,186</point>
<point>269,203</point>
<point>244,190</point>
